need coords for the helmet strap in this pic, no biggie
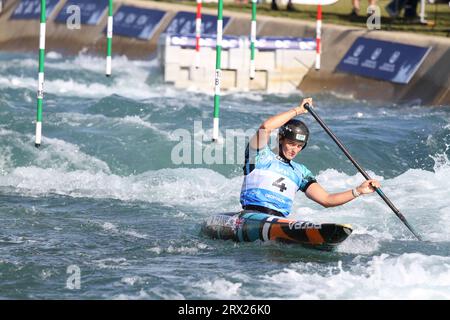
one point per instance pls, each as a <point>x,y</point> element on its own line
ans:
<point>280,151</point>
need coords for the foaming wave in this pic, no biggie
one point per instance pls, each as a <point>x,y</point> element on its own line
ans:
<point>408,276</point>
<point>21,62</point>
<point>119,63</point>
<point>192,187</point>
<point>136,89</point>
<point>420,195</point>
<point>252,96</point>
<point>115,230</point>
<point>136,120</point>
<point>132,280</point>
<point>220,289</point>
<point>441,161</point>
<point>111,263</point>
<point>64,155</point>
<point>424,194</point>
<point>84,62</point>
<point>55,154</point>
<point>52,55</point>
<point>96,120</point>
<point>361,243</point>
<point>192,249</point>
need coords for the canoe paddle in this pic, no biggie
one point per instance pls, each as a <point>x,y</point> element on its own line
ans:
<point>360,169</point>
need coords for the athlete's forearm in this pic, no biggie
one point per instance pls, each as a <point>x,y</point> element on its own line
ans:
<point>278,120</point>
<point>318,194</point>
<point>261,138</point>
<point>337,199</point>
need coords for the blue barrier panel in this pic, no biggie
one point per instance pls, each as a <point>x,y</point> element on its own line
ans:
<point>31,9</point>
<point>289,43</point>
<point>267,43</point>
<point>228,42</point>
<point>136,22</point>
<point>383,60</point>
<point>91,11</point>
<point>184,24</point>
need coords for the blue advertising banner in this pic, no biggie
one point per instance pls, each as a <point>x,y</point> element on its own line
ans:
<point>184,24</point>
<point>383,60</point>
<point>136,22</point>
<point>31,9</point>
<point>91,11</point>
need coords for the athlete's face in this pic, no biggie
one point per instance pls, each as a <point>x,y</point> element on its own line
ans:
<point>290,148</point>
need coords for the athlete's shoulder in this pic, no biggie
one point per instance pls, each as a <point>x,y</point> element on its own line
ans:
<point>306,177</point>
<point>298,166</point>
<point>301,168</point>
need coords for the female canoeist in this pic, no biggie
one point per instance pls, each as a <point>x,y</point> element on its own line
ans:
<point>272,178</point>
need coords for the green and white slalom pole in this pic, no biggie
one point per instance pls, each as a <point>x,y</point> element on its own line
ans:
<point>109,35</point>
<point>253,40</point>
<point>218,72</point>
<point>40,92</point>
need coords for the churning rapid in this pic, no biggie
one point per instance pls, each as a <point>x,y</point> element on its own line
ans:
<point>106,195</point>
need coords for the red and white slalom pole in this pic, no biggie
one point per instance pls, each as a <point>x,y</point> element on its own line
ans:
<point>198,31</point>
<point>318,35</point>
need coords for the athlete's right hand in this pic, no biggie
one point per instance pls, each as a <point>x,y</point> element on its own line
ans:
<point>368,186</point>
<point>301,108</point>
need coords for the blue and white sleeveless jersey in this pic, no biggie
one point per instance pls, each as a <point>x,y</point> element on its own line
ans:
<point>272,182</point>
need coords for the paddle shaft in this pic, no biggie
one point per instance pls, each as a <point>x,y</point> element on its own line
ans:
<point>360,169</point>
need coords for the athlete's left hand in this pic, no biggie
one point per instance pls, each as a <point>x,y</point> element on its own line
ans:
<point>300,109</point>
<point>368,186</point>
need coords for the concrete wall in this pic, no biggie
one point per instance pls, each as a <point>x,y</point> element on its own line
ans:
<point>430,84</point>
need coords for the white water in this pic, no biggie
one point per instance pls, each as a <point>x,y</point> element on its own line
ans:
<point>422,196</point>
<point>380,260</point>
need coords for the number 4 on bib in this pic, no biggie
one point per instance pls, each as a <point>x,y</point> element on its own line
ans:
<point>280,185</point>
